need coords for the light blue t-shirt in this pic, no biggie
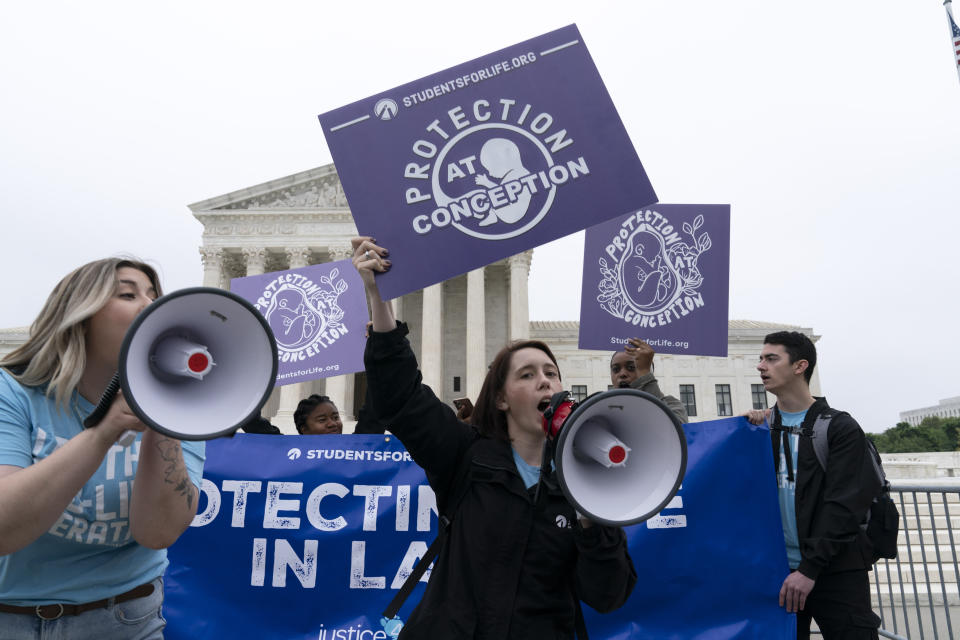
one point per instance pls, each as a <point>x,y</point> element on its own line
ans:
<point>88,554</point>
<point>787,489</point>
<point>529,473</point>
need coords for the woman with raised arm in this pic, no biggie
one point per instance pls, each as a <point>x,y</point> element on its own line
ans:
<point>516,562</point>
<point>84,521</point>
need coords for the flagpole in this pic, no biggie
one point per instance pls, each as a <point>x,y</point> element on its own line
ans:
<point>954,34</point>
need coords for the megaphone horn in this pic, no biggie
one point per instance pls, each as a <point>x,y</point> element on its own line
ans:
<point>620,455</point>
<point>196,364</point>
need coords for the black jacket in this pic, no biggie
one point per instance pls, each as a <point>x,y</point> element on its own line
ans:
<point>509,569</point>
<point>831,505</point>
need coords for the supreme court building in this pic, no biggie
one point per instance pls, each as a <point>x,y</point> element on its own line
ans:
<point>457,326</point>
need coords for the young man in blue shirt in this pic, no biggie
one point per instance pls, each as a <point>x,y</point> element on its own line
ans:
<point>822,509</point>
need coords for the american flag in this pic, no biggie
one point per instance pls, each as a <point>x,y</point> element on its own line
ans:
<point>954,35</point>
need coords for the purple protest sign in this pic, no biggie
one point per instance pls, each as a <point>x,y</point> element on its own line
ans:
<point>318,315</point>
<point>660,274</point>
<point>486,159</point>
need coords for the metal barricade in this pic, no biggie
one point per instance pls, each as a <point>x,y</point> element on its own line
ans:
<point>916,594</point>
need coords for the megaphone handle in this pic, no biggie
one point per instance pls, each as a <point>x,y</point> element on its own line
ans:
<point>106,399</point>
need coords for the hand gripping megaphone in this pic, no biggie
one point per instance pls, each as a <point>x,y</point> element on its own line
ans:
<point>620,455</point>
<point>195,364</point>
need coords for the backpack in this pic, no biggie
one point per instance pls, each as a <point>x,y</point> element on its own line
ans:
<point>882,524</point>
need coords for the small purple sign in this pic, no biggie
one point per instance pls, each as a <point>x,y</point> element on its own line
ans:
<point>318,315</point>
<point>660,274</point>
<point>485,160</point>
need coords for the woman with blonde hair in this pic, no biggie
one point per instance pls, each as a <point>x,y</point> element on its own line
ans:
<point>85,522</point>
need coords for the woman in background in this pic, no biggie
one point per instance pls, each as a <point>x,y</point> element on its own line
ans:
<point>316,416</point>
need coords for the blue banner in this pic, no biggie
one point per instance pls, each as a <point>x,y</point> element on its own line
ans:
<point>309,537</point>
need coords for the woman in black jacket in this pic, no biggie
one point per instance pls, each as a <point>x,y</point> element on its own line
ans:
<point>517,560</point>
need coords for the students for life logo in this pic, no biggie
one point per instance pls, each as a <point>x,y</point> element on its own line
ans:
<point>490,169</point>
<point>386,109</point>
<point>304,315</point>
<point>653,277</point>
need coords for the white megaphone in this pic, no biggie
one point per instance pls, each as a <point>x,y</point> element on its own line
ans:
<point>195,364</point>
<point>620,455</point>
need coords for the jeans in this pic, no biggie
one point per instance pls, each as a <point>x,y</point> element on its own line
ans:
<point>138,619</point>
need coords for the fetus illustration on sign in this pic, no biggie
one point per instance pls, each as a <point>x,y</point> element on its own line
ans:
<point>653,268</point>
<point>501,158</point>
<point>300,313</point>
<point>291,316</point>
<point>492,181</point>
<point>651,281</point>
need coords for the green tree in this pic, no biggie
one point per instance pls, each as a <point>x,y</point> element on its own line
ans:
<point>933,434</point>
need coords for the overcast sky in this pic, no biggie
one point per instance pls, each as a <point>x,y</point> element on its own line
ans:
<point>832,129</point>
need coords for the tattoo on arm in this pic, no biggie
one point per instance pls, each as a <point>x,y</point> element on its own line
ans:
<point>175,471</point>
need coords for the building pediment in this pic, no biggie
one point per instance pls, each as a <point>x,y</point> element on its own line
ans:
<point>313,190</point>
<point>12,338</point>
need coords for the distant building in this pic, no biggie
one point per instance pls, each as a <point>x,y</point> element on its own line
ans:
<point>12,338</point>
<point>948,408</point>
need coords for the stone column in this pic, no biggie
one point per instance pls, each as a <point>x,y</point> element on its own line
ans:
<point>292,394</point>
<point>213,275</point>
<point>431,341</point>
<point>298,257</point>
<point>398,308</point>
<point>339,388</point>
<point>348,414</point>
<point>256,258</point>
<point>340,252</point>
<point>476,333</point>
<point>337,391</point>
<point>519,310</point>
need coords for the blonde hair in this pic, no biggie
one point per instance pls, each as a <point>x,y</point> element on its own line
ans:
<point>55,353</point>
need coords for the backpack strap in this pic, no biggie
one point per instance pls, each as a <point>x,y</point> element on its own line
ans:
<point>580,626</point>
<point>818,435</point>
<point>418,570</point>
<point>780,437</point>
<point>460,487</point>
<point>877,466</point>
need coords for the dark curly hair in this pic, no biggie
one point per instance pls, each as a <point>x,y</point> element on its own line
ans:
<point>306,407</point>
